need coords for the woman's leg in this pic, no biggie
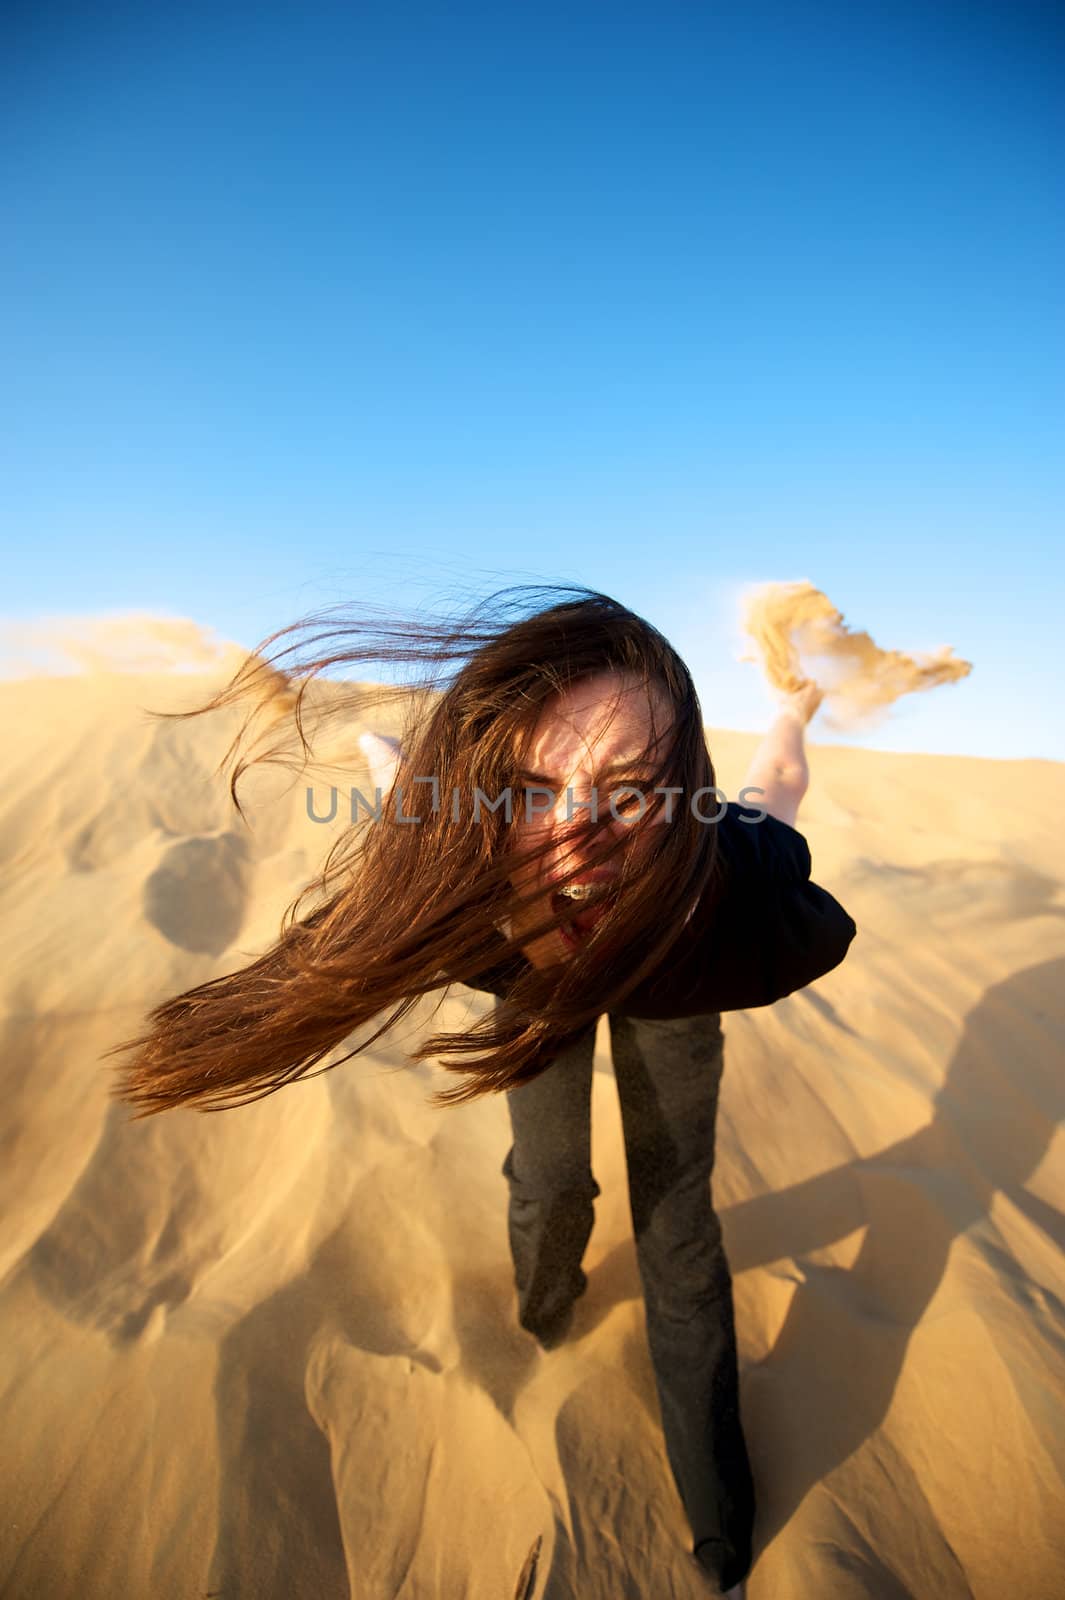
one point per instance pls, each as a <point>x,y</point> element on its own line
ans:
<point>552,1190</point>
<point>668,1074</point>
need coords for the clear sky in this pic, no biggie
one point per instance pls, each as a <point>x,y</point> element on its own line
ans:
<point>313,301</point>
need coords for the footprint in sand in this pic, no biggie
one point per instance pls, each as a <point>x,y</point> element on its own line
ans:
<point>198,894</point>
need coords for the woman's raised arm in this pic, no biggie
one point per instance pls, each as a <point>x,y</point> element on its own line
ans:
<point>779,767</point>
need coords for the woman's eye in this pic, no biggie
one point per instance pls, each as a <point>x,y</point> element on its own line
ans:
<point>631,796</point>
<point>533,801</point>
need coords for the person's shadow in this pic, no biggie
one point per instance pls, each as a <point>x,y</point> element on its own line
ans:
<point>826,1385</point>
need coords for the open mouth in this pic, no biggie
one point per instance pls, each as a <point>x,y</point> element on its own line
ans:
<point>584,906</point>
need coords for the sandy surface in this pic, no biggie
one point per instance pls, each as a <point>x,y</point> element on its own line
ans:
<point>272,1352</point>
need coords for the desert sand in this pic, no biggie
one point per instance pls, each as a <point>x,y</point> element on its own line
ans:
<point>272,1352</point>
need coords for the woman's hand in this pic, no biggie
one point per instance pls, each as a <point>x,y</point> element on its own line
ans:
<point>383,755</point>
<point>804,702</point>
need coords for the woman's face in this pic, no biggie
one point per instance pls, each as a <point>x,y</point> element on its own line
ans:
<point>602,734</point>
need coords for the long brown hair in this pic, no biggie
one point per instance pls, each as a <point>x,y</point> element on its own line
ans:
<point>402,909</point>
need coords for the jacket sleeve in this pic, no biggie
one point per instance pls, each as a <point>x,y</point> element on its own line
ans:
<point>806,931</point>
<point>767,931</point>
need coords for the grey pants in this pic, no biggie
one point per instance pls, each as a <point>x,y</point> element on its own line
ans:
<point>668,1075</point>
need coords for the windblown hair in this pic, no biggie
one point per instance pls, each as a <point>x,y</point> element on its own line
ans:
<point>403,909</point>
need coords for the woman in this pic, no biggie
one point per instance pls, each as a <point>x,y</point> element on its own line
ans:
<point>553,837</point>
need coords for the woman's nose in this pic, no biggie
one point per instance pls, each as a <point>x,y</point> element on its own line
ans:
<point>577,802</point>
<point>581,805</point>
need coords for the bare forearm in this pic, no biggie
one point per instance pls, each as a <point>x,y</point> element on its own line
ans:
<point>779,767</point>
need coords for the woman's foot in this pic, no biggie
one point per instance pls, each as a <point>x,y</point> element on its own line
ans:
<point>549,1335</point>
<point>551,1338</point>
<point>708,1557</point>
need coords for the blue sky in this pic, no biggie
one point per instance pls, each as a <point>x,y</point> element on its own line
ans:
<point>319,301</point>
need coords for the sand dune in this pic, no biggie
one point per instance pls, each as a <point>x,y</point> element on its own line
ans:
<point>272,1352</point>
